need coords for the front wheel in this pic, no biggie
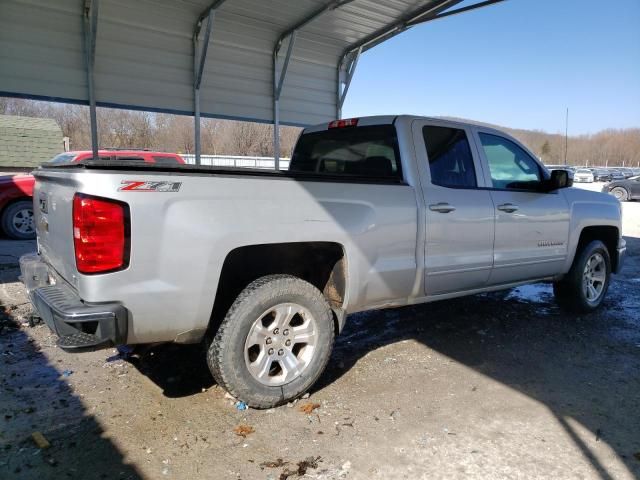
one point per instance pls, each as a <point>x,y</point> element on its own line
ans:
<point>274,342</point>
<point>17,220</point>
<point>620,193</point>
<point>583,289</point>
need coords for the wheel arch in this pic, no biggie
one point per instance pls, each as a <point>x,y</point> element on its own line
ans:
<point>10,201</point>
<point>323,264</point>
<point>607,234</point>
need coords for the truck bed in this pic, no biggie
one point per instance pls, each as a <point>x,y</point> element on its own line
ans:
<point>179,240</point>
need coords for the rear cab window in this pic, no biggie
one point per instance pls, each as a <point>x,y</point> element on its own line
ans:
<point>351,152</point>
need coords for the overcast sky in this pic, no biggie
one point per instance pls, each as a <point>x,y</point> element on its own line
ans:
<point>518,64</point>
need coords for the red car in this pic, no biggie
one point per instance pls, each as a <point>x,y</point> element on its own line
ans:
<point>16,204</point>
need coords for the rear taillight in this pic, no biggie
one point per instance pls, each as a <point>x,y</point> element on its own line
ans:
<point>348,122</point>
<point>100,234</point>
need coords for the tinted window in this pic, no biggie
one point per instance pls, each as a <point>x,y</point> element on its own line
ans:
<point>351,151</point>
<point>129,158</point>
<point>510,166</point>
<point>450,159</point>
<point>165,160</point>
<point>63,158</point>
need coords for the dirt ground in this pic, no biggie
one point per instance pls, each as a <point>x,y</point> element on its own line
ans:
<point>500,385</point>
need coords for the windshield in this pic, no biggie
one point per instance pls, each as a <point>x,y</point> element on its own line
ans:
<point>582,170</point>
<point>63,158</point>
<point>352,151</point>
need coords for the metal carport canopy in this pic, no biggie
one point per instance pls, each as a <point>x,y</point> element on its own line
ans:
<point>276,61</point>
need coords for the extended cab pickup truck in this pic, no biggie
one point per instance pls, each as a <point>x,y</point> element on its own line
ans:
<point>264,266</point>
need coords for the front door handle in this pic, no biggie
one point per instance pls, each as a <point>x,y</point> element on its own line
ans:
<point>508,207</point>
<point>441,207</point>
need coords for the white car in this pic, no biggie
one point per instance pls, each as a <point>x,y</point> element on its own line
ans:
<point>583,175</point>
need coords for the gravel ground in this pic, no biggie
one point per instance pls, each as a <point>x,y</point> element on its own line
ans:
<point>500,385</point>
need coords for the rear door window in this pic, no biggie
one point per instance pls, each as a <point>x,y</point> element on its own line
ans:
<point>370,152</point>
<point>450,159</point>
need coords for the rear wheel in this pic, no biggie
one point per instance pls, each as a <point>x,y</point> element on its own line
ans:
<point>274,342</point>
<point>583,289</point>
<point>17,220</point>
<point>620,193</point>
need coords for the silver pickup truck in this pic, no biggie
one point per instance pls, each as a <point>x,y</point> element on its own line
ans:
<point>264,266</point>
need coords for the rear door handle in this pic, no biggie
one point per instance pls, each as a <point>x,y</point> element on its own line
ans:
<point>441,207</point>
<point>508,207</point>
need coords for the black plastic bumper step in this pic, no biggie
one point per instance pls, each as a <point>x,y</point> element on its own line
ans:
<point>81,341</point>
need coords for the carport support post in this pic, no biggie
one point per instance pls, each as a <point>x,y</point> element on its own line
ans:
<point>199,57</point>
<point>278,82</point>
<point>90,17</point>
<point>341,93</point>
<point>278,78</point>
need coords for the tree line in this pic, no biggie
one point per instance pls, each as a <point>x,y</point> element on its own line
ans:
<point>174,133</point>
<point>156,131</point>
<point>610,147</point>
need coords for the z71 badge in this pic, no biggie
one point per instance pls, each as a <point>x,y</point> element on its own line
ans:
<point>138,186</point>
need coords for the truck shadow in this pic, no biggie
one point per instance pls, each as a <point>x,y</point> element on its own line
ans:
<point>176,378</point>
<point>37,399</point>
<point>10,253</point>
<point>584,368</point>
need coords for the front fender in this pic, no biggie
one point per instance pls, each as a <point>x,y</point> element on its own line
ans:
<point>590,209</point>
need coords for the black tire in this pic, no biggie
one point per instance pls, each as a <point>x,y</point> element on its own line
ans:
<point>13,215</point>
<point>570,291</point>
<point>226,352</point>
<point>620,193</point>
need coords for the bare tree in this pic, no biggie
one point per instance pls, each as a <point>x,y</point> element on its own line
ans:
<point>174,133</point>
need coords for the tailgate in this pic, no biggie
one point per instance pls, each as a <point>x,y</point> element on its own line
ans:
<point>53,204</point>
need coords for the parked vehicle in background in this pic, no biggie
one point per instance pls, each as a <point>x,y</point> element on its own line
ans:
<point>583,175</point>
<point>372,213</point>
<point>616,174</point>
<point>16,204</point>
<point>601,175</point>
<point>623,190</point>
<point>560,167</point>
<point>132,155</point>
<point>564,168</point>
<point>627,172</point>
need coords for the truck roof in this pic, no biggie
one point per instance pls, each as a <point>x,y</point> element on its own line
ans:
<point>389,119</point>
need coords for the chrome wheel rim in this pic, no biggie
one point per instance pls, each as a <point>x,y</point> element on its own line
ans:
<point>22,221</point>
<point>280,344</point>
<point>594,277</point>
<point>618,193</point>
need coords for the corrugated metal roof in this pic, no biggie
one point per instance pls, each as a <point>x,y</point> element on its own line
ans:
<point>144,53</point>
<point>27,141</point>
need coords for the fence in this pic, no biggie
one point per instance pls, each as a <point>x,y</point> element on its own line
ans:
<point>265,163</point>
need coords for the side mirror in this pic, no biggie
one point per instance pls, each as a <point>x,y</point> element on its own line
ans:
<point>559,179</point>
